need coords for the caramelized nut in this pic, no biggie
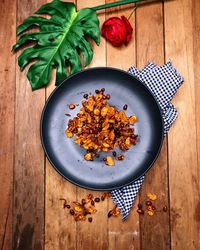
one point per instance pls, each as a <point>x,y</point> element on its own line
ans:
<point>110,161</point>
<point>151,196</point>
<point>120,157</point>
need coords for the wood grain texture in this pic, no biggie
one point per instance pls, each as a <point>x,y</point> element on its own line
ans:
<point>123,235</point>
<point>155,232</point>
<point>7,104</point>
<point>183,165</point>
<point>28,215</point>
<point>94,235</point>
<point>60,227</point>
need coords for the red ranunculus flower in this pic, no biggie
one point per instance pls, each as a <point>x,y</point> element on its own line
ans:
<point>117,31</point>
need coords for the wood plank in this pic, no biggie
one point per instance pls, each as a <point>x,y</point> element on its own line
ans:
<point>155,231</point>
<point>28,224</point>
<point>184,171</point>
<point>61,232</point>
<point>123,235</point>
<point>7,104</point>
<point>94,235</point>
<point>196,63</point>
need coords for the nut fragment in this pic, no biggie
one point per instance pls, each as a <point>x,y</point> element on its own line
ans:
<point>110,161</point>
<point>132,119</point>
<point>116,212</point>
<point>92,210</point>
<point>88,157</point>
<point>68,133</point>
<point>150,213</point>
<point>151,196</point>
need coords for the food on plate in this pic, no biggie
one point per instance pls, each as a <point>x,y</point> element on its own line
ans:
<point>100,127</point>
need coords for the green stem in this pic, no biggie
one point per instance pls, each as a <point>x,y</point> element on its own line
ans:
<point>113,4</point>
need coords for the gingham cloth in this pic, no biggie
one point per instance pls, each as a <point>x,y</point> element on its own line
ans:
<point>163,81</point>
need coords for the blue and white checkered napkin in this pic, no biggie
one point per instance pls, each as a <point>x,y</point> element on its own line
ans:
<point>163,82</point>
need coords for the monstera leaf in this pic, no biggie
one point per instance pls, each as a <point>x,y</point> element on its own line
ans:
<point>58,43</point>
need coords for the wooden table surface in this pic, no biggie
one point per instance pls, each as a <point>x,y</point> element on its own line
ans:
<point>31,215</point>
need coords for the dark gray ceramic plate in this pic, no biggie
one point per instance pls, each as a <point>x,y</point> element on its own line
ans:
<point>67,157</point>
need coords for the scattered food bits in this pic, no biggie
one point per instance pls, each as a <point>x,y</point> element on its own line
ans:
<point>108,96</point>
<point>88,157</point>
<point>149,208</point>
<point>150,213</point>
<point>97,199</point>
<point>102,90</point>
<point>151,196</point>
<point>79,217</point>
<point>120,157</point>
<point>83,202</point>
<point>132,119</point>
<point>116,212</point>
<point>90,196</point>
<point>72,106</point>
<point>102,198</point>
<point>92,203</point>
<point>92,210</point>
<point>67,114</point>
<point>110,161</point>
<point>78,209</point>
<point>67,206</point>
<point>139,206</point>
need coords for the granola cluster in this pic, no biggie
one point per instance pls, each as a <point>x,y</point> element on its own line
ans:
<point>100,127</point>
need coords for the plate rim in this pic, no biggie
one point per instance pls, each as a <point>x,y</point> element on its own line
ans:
<point>47,155</point>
